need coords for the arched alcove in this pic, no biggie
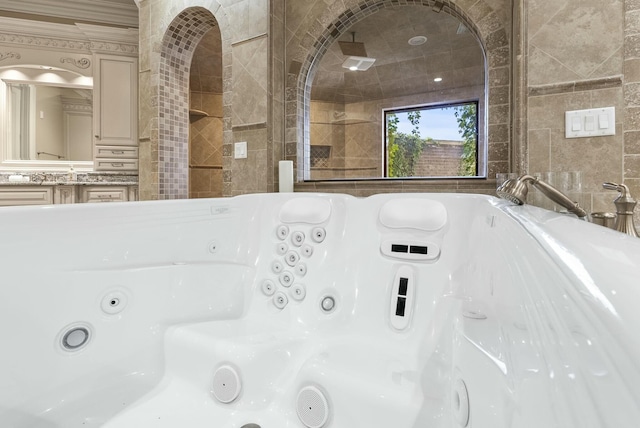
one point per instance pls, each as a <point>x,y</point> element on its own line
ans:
<point>205,117</point>
<point>426,65</point>
<point>487,26</point>
<point>178,46</point>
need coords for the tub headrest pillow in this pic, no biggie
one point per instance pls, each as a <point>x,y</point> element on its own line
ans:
<point>305,210</point>
<point>413,213</point>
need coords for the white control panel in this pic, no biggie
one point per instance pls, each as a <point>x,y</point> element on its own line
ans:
<point>402,294</point>
<point>594,122</point>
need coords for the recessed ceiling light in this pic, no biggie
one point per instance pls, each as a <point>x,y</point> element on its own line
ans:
<point>438,79</point>
<point>417,40</point>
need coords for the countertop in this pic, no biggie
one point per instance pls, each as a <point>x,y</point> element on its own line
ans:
<point>62,179</point>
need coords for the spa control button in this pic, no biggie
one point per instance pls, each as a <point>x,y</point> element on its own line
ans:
<point>282,232</point>
<point>318,234</point>
<point>297,238</point>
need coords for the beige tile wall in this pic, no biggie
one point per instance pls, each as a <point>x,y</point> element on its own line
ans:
<point>577,54</point>
<point>575,62</point>
<point>354,131</point>
<point>315,25</point>
<point>171,30</point>
<point>205,151</point>
<point>205,132</point>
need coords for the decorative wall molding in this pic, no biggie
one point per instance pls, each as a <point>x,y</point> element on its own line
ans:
<point>8,55</point>
<point>80,37</point>
<point>69,45</point>
<point>77,108</point>
<point>76,105</point>
<point>82,63</point>
<point>113,48</point>
<point>106,12</point>
<point>44,42</point>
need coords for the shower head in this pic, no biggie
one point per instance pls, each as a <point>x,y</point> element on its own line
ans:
<point>516,191</point>
<point>513,190</point>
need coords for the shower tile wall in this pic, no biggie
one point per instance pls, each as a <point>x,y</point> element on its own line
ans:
<point>206,132</point>
<point>353,131</point>
<point>328,140</point>
<point>249,112</point>
<point>314,26</point>
<point>577,54</point>
<point>181,39</point>
<point>170,32</point>
<point>575,62</point>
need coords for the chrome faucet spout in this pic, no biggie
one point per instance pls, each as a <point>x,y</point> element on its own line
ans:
<point>516,192</point>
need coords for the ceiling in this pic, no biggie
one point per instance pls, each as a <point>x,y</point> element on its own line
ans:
<point>450,52</point>
<point>117,13</point>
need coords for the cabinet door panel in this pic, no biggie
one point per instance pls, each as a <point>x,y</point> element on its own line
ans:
<point>116,152</point>
<point>103,194</point>
<point>115,164</point>
<point>23,195</point>
<point>116,101</point>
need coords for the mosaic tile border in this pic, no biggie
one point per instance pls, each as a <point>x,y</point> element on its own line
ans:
<point>178,45</point>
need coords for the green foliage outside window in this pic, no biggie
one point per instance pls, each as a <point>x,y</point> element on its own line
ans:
<point>466,116</point>
<point>404,150</point>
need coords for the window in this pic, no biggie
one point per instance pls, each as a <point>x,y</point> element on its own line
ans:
<point>432,141</point>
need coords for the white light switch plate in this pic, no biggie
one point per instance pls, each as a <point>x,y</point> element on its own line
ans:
<point>594,122</point>
<point>240,151</point>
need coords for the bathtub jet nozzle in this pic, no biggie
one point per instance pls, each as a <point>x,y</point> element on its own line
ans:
<point>515,190</point>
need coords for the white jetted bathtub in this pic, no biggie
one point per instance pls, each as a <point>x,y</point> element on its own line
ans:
<point>310,310</point>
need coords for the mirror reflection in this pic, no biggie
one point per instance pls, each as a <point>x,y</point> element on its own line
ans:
<point>48,123</point>
<point>373,119</point>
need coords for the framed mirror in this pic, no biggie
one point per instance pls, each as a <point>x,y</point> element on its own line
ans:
<point>417,109</point>
<point>47,118</point>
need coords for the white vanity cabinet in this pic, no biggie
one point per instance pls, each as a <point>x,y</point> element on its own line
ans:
<point>26,195</point>
<point>46,194</point>
<point>65,194</point>
<point>115,113</point>
<point>103,194</point>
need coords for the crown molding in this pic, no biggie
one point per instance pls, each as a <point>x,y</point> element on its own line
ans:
<point>78,37</point>
<point>99,33</point>
<point>36,29</point>
<point>118,13</point>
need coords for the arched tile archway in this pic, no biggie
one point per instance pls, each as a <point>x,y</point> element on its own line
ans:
<point>178,45</point>
<point>479,19</point>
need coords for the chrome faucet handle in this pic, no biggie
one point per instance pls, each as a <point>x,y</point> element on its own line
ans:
<point>625,205</point>
<point>622,188</point>
<point>624,196</point>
